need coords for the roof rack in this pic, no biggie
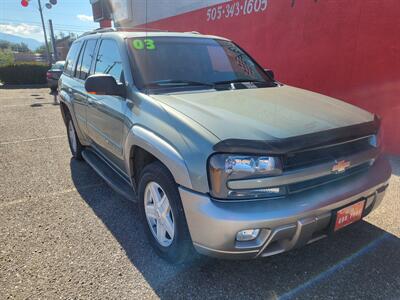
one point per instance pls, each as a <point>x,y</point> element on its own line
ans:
<point>116,29</point>
<point>99,30</point>
<point>139,29</point>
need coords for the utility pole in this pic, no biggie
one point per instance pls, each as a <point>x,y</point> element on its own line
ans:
<point>53,40</point>
<point>44,32</point>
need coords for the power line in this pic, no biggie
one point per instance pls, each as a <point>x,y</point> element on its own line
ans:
<point>38,23</point>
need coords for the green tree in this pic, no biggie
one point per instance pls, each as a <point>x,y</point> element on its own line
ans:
<point>41,49</point>
<point>17,47</point>
<point>6,57</point>
<point>21,47</point>
<point>5,44</point>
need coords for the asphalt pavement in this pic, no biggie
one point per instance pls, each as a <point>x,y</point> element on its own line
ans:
<point>64,234</point>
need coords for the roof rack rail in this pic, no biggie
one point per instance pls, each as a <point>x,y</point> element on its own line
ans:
<point>193,32</point>
<point>112,29</point>
<point>99,30</point>
<point>139,29</point>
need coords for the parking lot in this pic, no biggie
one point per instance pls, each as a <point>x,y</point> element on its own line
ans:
<point>65,234</point>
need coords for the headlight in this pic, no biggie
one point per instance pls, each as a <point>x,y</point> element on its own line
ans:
<point>225,167</point>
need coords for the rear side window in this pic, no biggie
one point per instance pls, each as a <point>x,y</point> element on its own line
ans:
<point>87,57</point>
<point>79,62</point>
<point>109,60</point>
<point>71,58</point>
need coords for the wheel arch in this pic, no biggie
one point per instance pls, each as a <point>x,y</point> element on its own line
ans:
<point>144,146</point>
<point>66,107</point>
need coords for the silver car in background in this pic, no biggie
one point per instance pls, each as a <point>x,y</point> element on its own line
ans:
<point>53,75</point>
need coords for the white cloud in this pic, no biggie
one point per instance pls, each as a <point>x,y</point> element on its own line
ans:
<point>85,18</point>
<point>21,29</point>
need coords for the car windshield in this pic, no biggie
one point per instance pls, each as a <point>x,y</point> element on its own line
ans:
<point>184,63</point>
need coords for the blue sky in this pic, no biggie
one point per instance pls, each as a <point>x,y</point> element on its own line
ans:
<point>68,16</point>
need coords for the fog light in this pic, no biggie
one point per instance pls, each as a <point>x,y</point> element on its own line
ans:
<point>247,235</point>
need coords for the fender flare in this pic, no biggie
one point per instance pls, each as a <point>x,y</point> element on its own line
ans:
<point>141,137</point>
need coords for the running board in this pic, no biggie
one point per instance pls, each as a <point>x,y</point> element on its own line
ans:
<point>111,177</point>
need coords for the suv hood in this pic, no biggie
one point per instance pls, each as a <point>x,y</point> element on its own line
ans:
<point>264,113</point>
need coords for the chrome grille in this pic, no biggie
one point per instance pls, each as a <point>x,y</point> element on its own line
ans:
<point>310,157</point>
<point>308,184</point>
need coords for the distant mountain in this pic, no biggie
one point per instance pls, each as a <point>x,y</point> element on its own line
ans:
<point>31,43</point>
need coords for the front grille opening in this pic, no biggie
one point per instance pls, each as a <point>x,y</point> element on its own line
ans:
<point>305,185</point>
<point>325,154</point>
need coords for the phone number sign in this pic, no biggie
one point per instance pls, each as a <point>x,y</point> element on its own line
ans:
<point>235,9</point>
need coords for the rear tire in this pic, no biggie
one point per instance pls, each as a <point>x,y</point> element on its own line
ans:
<point>162,214</point>
<point>74,144</point>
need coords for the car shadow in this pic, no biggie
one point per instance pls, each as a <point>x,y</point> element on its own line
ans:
<point>357,261</point>
<point>41,104</point>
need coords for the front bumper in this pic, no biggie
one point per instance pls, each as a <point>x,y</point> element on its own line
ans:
<point>286,223</point>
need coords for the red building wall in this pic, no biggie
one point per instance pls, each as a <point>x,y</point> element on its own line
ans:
<point>348,49</point>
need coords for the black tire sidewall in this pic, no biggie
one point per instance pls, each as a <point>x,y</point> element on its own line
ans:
<point>78,153</point>
<point>181,245</point>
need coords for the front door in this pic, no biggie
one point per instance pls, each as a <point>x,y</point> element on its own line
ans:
<point>105,114</point>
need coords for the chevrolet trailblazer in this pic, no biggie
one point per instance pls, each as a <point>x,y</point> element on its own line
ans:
<point>219,156</point>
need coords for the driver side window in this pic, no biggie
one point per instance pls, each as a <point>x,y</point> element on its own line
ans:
<point>109,60</point>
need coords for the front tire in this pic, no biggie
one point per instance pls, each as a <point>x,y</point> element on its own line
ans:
<point>162,214</point>
<point>74,144</point>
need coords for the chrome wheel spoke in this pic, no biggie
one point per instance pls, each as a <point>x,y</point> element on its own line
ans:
<point>164,206</point>
<point>151,211</point>
<point>169,226</point>
<point>155,194</point>
<point>160,232</point>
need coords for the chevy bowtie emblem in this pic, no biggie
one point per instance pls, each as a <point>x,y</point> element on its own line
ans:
<point>340,166</point>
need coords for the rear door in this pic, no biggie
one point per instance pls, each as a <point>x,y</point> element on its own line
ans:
<point>105,114</point>
<point>83,70</point>
<point>70,84</point>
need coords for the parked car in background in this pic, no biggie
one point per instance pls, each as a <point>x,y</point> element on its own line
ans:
<point>219,156</point>
<point>54,74</point>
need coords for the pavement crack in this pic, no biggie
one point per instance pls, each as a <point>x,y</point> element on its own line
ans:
<point>33,140</point>
<point>66,191</point>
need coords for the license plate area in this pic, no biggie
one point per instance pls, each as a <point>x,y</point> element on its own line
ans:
<point>348,215</point>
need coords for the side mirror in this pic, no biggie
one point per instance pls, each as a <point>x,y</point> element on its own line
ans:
<point>270,73</point>
<point>104,84</point>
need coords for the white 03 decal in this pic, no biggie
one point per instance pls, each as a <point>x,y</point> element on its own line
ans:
<point>235,9</point>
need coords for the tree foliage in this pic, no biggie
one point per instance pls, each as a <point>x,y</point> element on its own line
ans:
<point>17,47</point>
<point>24,73</point>
<point>6,57</point>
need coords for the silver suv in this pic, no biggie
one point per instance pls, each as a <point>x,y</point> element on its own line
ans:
<point>219,156</point>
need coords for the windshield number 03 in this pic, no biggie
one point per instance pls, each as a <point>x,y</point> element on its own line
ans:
<point>234,9</point>
<point>147,44</point>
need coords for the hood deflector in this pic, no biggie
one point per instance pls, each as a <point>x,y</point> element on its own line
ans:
<point>298,143</point>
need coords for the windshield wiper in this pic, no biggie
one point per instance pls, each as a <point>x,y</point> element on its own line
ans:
<point>173,82</point>
<point>238,81</point>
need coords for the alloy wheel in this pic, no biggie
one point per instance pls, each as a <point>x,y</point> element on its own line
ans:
<point>159,214</point>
